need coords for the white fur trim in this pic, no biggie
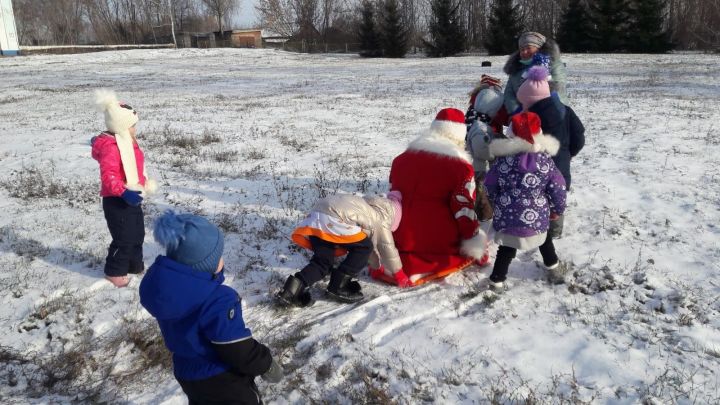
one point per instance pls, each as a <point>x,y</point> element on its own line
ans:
<point>466,212</point>
<point>514,145</point>
<point>415,277</point>
<point>455,131</point>
<point>433,143</point>
<point>470,186</point>
<point>475,246</point>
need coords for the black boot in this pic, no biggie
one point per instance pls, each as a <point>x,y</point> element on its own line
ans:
<point>295,293</point>
<point>342,288</point>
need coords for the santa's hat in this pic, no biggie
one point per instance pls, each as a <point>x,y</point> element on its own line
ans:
<point>535,87</point>
<point>450,123</point>
<point>526,126</point>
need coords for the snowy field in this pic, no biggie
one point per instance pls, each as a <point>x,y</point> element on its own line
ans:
<point>250,138</point>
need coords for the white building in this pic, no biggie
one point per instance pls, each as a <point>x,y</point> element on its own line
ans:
<point>8,32</point>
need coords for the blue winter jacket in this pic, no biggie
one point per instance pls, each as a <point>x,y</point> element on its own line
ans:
<point>194,311</point>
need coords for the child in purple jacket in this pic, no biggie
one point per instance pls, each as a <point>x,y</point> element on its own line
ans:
<point>526,189</point>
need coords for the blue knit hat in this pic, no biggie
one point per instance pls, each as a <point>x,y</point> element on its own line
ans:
<point>190,240</point>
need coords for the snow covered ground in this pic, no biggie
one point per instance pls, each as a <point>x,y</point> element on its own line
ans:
<point>250,138</point>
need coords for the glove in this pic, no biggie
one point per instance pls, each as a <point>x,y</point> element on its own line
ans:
<point>470,116</point>
<point>402,280</point>
<point>132,197</point>
<point>274,373</point>
<point>554,216</point>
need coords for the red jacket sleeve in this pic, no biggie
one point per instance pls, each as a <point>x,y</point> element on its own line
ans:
<point>462,205</point>
<point>111,172</point>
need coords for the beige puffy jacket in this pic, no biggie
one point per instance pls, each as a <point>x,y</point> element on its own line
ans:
<point>375,216</point>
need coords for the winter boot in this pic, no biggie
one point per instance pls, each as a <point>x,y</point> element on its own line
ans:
<point>556,272</point>
<point>295,293</point>
<point>342,288</point>
<point>497,287</point>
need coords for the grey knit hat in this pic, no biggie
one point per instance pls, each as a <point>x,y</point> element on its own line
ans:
<point>535,39</point>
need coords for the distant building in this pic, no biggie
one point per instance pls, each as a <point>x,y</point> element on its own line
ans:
<point>8,32</point>
<point>244,38</point>
<point>250,38</point>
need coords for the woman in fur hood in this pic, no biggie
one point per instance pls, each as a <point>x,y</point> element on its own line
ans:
<point>533,49</point>
<point>526,189</point>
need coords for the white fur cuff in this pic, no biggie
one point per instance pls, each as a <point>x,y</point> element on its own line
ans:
<point>475,246</point>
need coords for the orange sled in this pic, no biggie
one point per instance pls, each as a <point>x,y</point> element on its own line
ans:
<point>429,277</point>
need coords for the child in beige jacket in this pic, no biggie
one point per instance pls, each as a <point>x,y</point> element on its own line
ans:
<point>358,227</point>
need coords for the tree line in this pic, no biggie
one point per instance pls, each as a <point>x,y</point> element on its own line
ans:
<point>388,27</point>
<point>73,22</point>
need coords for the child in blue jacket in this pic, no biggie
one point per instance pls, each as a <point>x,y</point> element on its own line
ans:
<point>215,357</point>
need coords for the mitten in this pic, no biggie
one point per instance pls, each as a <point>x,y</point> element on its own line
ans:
<point>554,216</point>
<point>377,273</point>
<point>274,373</point>
<point>470,116</point>
<point>402,280</point>
<point>132,197</point>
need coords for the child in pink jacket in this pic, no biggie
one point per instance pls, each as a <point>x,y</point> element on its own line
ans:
<point>123,184</point>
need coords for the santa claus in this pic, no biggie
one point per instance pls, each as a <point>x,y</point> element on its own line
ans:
<point>439,233</point>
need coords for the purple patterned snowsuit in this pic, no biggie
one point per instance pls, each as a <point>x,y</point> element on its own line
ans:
<point>524,189</point>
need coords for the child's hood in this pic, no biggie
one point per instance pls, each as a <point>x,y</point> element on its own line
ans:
<point>551,110</point>
<point>488,101</point>
<point>101,142</point>
<point>171,290</point>
<point>527,162</point>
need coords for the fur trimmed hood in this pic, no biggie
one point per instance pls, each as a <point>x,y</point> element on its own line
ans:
<point>433,142</point>
<point>513,65</point>
<point>512,146</point>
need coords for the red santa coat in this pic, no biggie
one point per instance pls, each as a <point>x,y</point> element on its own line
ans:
<point>438,228</point>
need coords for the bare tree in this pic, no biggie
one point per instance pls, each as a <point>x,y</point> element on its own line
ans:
<point>28,20</point>
<point>277,15</point>
<point>55,21</point>
<point>221,9</point>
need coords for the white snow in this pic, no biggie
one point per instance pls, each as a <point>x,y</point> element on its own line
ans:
<point>636,322</point>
